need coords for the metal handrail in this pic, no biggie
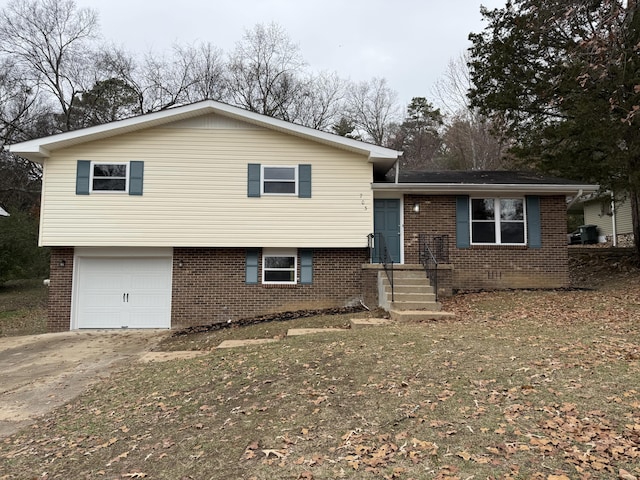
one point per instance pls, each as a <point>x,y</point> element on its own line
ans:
<point>432,256</point>
<point>427,259</point>
<point>383,257</point>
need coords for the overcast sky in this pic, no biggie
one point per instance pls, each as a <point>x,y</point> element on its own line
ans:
<point>408,42</point>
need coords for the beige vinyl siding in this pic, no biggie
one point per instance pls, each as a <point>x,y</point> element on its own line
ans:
<point>195,193</point>
<point>623,218</point>
<point>595,213</point>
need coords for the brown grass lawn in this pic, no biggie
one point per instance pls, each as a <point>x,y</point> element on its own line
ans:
<point>533,384</point>
<point>22,308</point>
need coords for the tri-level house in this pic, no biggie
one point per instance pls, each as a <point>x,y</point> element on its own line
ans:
<point>208,213</point>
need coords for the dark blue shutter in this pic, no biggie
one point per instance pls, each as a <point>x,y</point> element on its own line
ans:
<point>253,180</point>
<point>306,266</point>
<point>304,181</point>
<point>462,221</point>
<point>251,266</point>
<point>83,173</point>
<point>534,222</point>
<point>136,175</point>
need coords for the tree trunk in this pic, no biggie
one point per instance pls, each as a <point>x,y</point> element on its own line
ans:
<point>634,199</point>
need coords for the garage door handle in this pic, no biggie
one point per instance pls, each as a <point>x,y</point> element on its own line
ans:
<point>127,298</point>
<point>124,295</point>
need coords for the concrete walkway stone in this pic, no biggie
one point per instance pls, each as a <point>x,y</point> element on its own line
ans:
<point>167,356</point>
<point>294,332</point>
<point>369,322</point>
<point>244,343</point>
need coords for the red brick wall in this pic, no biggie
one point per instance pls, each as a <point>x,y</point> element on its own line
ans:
<point>493,266</point>
<point>210,286</point>
<point>59,306</point>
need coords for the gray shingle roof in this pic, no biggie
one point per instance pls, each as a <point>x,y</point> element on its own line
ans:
<point>477,177</point>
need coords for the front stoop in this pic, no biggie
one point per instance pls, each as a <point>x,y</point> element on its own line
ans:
<point>414,297</point>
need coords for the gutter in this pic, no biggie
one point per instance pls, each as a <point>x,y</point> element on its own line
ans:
<point>443,188</point>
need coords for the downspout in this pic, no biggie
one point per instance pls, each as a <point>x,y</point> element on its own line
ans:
<point>575,199</point>
<point>614,227</point>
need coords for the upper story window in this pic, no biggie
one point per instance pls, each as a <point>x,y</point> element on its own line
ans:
<point>109,177</point>
<point>101,177</point>
<point>281,180</point>
<point>498,221</point>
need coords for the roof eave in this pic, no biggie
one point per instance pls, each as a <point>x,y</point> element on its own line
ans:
<point>455,188</point>
<point>39,149</point>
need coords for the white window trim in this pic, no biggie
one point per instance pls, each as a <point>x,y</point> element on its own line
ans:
<point>295,180</point>
<point>496,221</point>
<point>278,252</point>
<point>110,192</point>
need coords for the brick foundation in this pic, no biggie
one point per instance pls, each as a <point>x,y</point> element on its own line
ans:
<point>60,286</point>
<point>210,286</point>
<point>492,266</point>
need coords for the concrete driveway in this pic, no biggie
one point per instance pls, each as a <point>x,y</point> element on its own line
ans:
<point>41,372</point>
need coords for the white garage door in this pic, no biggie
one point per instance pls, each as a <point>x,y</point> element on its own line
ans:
<point>123,292</point>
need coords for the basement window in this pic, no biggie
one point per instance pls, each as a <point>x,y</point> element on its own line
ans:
<point>279,266</point>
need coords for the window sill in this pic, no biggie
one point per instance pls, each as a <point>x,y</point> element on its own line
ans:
<point>280,285</point>
<point>496,246</point>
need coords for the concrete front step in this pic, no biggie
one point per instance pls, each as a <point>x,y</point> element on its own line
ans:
<point>421,281</point>
<point>402,288</point>
<point>419,273</point>
<point>413,297</point>
<point>428,306</point>
<point>418,315</point>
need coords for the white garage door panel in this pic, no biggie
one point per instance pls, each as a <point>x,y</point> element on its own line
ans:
<point>114,292</point>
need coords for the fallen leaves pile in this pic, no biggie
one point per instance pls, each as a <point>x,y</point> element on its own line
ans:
<point>542,385</point>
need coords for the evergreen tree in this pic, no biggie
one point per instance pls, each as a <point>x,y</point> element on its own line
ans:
<point>562,78</point>
<point>418,135</point>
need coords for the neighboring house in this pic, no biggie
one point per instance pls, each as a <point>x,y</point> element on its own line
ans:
<point>209,213</point>
<point>611,216</point>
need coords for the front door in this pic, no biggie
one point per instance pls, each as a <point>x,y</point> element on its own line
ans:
<point>386,223</point>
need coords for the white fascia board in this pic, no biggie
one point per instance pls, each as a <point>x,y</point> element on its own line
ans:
<point>40,148</point>
<point>457,188</point>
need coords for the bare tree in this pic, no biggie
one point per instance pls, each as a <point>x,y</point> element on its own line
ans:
<point>470,139</point>
<point>166,80</point>
<point>469,144</point>
<point>206,69</point>
<point>372,106</point>
<point>50,41</point>
<point>322,101</point>
<point>190,74</point>
<point>264,72</point>
<point>23,115</point>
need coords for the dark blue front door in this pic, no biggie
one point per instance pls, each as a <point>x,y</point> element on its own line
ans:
<point>386,223</point>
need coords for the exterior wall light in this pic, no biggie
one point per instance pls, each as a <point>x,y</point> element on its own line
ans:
<point>416,208</point>
<point>62,263</point>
